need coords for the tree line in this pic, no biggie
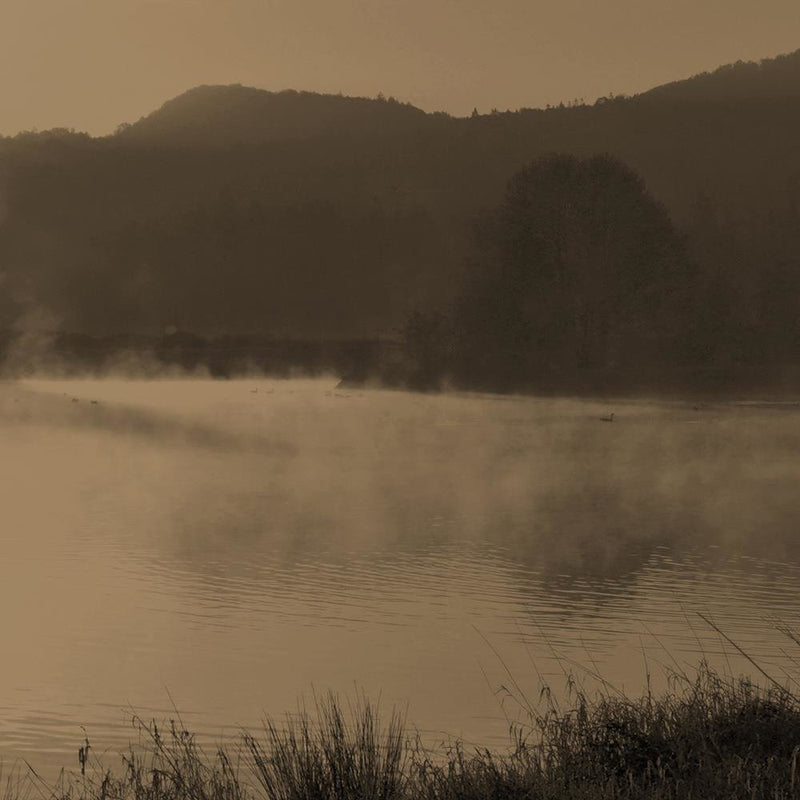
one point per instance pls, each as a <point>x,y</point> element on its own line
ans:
<point>232,211</point>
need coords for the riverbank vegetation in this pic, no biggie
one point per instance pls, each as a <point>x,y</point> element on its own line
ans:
<point>578,282</point>
<point>708,736</point>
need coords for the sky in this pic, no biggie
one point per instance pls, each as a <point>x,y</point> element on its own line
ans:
<point>93,64</point>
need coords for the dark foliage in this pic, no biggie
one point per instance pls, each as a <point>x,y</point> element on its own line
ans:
<point>579,268</point>
<point>300,216</point>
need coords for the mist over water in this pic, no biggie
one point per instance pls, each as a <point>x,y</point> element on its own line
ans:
<point>235,545</point>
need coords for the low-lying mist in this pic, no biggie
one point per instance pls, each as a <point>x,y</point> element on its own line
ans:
<point>282,469</point>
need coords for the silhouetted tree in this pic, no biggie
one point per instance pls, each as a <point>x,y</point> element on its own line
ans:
<point>578,268</point>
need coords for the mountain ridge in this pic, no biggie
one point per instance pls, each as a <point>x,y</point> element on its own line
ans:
<point>772,78</point>
<point>338,216</point>
<point>205,113</point>
<point>236,114</point>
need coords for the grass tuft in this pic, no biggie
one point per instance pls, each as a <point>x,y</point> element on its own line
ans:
<point>334,756</point>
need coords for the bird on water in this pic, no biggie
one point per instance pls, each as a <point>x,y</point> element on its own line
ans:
<point>608,417</point>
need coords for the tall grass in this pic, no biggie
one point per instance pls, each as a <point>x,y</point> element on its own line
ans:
<point>707,736</point>
<point>335,756</point>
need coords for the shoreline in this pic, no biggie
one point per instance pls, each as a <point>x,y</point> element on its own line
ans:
<point>709,735</point>
<point>371,362</point>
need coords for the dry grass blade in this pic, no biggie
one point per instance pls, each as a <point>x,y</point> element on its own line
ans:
<point>781,687</point>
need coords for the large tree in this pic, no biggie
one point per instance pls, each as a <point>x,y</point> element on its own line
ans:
<point>578,268</point>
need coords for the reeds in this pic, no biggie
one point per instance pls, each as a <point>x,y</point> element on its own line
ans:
<point>332,756</point>
<point>165,765</point>
<point>708,736</point>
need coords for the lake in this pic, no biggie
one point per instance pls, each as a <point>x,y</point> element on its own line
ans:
<point>227,549</point>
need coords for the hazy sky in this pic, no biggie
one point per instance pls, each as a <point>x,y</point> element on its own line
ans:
<point>91,64</point>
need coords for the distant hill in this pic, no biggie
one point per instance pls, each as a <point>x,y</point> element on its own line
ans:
<point>234,115</point>
<point>233,210</point>
<point>770,79</point>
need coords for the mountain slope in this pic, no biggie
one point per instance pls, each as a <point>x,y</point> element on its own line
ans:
<point>299,215</point>
<point>234,115</point>
<point>770,79</point>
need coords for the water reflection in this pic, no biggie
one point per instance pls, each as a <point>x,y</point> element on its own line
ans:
<point>237,548</point>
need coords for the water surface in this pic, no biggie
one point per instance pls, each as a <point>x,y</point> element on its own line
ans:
<point>230,547</point>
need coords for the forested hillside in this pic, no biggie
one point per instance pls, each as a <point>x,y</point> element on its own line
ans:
<point>292,215</point>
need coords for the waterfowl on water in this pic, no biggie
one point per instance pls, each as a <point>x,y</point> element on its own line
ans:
<point>608,417</point>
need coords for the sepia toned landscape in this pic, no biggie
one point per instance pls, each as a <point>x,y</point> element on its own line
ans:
<point>356,450</point>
